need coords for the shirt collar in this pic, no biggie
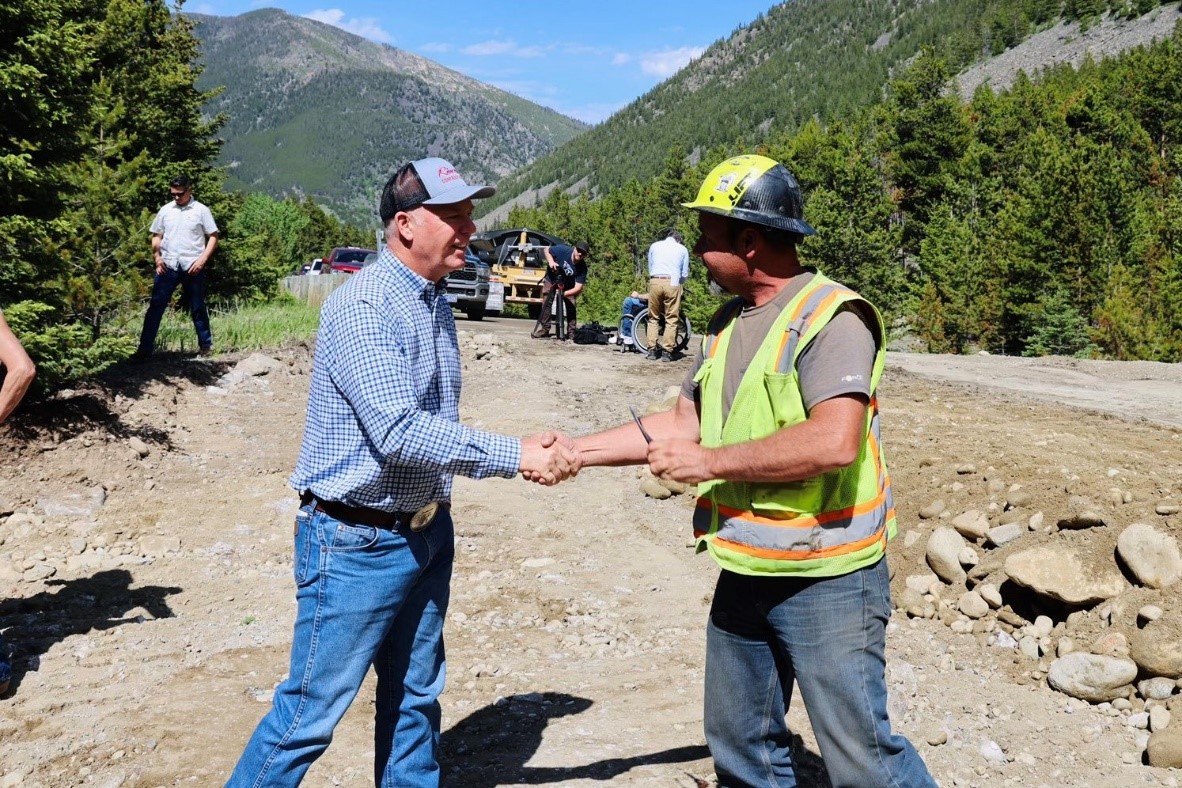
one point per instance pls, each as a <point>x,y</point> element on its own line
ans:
<point>427,290</point>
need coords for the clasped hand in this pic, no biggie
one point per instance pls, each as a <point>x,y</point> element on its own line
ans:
<point>549,458</point>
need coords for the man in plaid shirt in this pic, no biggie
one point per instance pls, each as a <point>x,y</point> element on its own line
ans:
<point>374,538</point>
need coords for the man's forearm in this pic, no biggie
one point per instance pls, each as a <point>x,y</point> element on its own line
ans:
<point>625,445</point>
<point>19,371</point>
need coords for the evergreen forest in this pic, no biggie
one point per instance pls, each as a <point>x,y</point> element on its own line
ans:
<point>801,60</point>
<point>1045,219</point>
<point>102,110</point>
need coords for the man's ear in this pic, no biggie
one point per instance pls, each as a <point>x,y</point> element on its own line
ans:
<point>404,225</point>
<point>747,242</point>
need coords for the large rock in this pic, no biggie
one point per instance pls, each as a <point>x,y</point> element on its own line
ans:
<point>943,555</point>
<point>1164,749</point>
<point>85,503</point>
<point>1152,556</point>
<point>971,524</point>
<point>1092,677</point>
<point>1157,648</point>
<point>1060,573</point>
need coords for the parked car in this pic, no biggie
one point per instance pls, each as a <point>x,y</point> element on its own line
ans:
<point>518,264</point>
<point>313,268</point>
<point>468,288</point>
<point>346,259</point>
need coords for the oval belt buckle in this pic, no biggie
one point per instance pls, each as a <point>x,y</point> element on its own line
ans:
<point>424,517</point>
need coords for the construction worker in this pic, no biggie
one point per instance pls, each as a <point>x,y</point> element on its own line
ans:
<point>778,425</point>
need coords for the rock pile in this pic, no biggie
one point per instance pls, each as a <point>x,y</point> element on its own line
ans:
<point>1091,621</point>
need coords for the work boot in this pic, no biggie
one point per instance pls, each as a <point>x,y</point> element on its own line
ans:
<point>538,333</point>
<point>653,354</point>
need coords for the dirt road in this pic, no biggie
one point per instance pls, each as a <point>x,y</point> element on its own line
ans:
<point>145,575</point>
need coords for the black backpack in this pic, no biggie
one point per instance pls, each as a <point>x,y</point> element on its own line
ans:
<point>591,334</point>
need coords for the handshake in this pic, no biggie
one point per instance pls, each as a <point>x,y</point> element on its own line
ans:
<point>549,458</point>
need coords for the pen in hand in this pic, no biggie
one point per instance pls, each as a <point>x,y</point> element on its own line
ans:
<point>636,417</point>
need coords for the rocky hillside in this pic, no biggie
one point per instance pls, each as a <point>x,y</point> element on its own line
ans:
<point>315,111</point>
<point>1066,42</point>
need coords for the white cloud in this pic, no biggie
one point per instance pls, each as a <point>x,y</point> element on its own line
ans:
<point>436,47</point>
<point>504,47</point>
<point>366,27</point>
<point>621,58</point>
<point>668,62</point>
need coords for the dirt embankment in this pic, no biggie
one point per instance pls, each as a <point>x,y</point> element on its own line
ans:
<point>145,576</point>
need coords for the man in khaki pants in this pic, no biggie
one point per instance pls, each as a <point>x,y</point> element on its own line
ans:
<point>668,268</point>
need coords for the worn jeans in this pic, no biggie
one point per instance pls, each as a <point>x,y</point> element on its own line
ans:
<point>192,298</point>
<point>828,637</point>
<point>364,596</point>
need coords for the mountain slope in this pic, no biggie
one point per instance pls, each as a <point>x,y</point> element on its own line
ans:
<point>809,57</point>
<point>320,112</point>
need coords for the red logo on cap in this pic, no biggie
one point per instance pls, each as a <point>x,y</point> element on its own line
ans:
<point>448,174</point>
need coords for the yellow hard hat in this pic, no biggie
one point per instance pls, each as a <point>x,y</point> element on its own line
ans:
<point>754,189</point>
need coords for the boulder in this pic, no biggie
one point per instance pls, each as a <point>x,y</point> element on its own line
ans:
<point>1092,677</point>
<point>1058,572</point>
<point>1157,648</point>
<point>1152,556</point>
<point>943,555</point>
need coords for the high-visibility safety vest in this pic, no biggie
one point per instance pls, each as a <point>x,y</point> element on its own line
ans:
<point>826,526</point>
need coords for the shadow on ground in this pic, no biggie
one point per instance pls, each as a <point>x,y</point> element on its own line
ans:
<point>33,625</point>
<point>491,746</point>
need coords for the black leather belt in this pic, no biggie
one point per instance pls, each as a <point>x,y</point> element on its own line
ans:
<point>387,521</point>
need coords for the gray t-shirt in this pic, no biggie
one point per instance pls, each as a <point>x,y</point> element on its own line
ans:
<point>838,361</point>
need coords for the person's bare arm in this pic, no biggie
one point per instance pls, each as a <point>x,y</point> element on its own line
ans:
<point>828,439</point>
<point>211,243</point>
<point>157,257</point>
<point>624,445</point>
<point>19,370</point>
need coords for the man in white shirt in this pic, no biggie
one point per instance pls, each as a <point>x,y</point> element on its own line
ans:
<point>668,268</point>
<point>184,236</point>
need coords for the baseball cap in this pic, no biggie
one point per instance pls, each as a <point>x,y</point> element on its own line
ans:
<point>431,181</point>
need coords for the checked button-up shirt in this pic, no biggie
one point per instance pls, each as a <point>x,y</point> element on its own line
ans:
<point>383,429</point>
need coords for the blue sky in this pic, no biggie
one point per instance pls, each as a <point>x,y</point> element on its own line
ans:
<point>584,59</point>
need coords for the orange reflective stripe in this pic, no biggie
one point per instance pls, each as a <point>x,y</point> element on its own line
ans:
<point>802,555</point>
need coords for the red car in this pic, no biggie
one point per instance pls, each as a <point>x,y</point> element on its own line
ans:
<point>346,259</point>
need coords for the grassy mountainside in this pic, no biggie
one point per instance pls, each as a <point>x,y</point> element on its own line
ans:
<point>316,111</point>
<point>806,58</point>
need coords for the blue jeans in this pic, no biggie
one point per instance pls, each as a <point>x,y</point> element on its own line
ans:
<point>827,636</point>
<point>192,298</point>
<point>364,596</point>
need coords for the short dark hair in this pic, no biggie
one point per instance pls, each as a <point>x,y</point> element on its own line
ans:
<point>674,234</point>
<point>403,192</point>
<point>181,182</point>
<point>583,247</point>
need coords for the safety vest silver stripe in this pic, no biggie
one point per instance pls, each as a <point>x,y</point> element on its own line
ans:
<point>823,536</point>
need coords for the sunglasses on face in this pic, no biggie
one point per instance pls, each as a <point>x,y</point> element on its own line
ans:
<point>178,194</point>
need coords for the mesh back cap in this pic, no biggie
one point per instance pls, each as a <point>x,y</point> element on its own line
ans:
<point>431,181</point>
